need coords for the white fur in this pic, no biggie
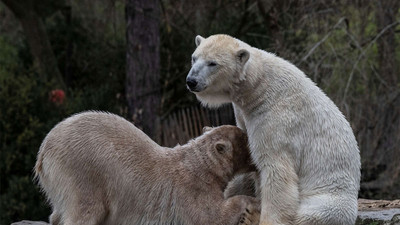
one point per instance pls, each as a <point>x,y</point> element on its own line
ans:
<point>305,149</point>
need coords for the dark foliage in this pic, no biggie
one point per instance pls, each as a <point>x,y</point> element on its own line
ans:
<point>349,48</point>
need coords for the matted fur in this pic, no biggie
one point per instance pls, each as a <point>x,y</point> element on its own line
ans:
<point>98,168</point>
<point>303,146</point>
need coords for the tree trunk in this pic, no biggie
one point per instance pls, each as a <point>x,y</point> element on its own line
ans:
<point>380,148</point>
<point>143,64</point>
<point>38,40</point>
<point>386,15</point>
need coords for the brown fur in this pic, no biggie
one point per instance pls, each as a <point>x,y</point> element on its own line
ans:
<point>97,168</point>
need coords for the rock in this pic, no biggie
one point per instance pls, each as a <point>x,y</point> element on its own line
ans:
<point>378,212</point>
<point>370,212</point>
<point>27,222</point>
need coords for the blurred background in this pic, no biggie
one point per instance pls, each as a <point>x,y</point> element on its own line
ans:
<point>60,57</point>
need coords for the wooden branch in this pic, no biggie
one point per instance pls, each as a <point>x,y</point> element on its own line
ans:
<point>362,54</point>
<point>341,20</point>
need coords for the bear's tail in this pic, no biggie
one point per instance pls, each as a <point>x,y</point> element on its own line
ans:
<point>38,169</point>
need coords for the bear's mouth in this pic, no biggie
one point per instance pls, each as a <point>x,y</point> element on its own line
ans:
<point>197,88</point>
<point>193,90</point>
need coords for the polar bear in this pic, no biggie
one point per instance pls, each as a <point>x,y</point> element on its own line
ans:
<point>98,168</point>
<point>302,145</point>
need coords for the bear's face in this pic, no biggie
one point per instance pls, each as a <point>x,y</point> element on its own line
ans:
<point>229,146</point>
<point>217,64</point>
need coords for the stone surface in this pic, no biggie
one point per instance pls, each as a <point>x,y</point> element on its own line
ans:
<point>378,212</point>
<point>385,214</point>
<point>370,212</point>
<point>27,222</point>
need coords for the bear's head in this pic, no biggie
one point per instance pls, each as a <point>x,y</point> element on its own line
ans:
<point>228,146</point>
<point>217,64</point>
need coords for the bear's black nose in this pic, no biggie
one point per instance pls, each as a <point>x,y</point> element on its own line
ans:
<point>191,83</point>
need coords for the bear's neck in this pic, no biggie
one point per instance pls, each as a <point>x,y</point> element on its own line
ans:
<point>199,166</point>
<point>268,80</point>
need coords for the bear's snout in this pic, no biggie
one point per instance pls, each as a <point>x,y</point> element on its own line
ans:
<point>191,84</point>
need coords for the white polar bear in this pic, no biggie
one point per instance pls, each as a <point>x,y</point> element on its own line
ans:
<point>303,146</point>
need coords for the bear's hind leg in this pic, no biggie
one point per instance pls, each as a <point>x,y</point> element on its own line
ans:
<point>93,215</point>
<point>86,210</point>
<point>327,209</point>
<point>55,218</point>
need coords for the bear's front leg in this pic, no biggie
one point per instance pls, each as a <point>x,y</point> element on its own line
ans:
<point>244,184</point>
<point>241,210</point>
<point>239,118</point>
<point>251,216</point>
<point>279,191</point>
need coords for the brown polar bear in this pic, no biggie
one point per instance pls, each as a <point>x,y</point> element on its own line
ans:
<point>98,168</point>
<point>303,147</point>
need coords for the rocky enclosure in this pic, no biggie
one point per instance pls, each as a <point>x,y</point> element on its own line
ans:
<point>370,212</point>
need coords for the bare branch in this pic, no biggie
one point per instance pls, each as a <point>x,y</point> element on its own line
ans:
<point>362,54</point>
<point>322,40</point>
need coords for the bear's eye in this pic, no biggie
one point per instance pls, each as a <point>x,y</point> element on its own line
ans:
<point>193,59</point>
<point>212,63</point>
<point>220,147</point>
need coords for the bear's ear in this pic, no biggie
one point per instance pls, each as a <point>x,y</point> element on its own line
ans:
<point>198,40</point>
<point>243,55</point>
<point>205,129</point>
<point>222,146</point>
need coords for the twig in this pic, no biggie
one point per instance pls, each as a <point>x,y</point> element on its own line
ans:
<point>362,54</point>
<point>322,40</point>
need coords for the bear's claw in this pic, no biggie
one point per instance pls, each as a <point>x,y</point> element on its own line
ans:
<point>249,217</point>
